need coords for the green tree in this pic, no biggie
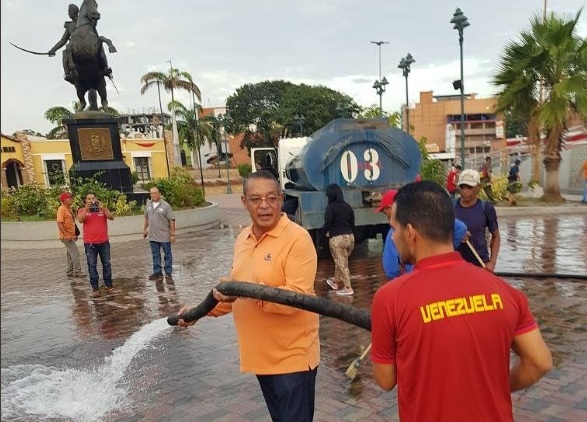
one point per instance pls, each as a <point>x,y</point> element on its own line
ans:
<point>267,110</point>
<point>542,76</point>
<point>193,132</point>
<point>57,114</point>
<point>373,112</point>
<point>515,126</point>
<point>171,81</point>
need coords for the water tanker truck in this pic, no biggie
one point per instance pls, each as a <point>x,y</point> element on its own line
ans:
<point>365,157</point>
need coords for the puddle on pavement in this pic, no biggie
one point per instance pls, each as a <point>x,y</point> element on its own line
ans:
<point>38,384</point>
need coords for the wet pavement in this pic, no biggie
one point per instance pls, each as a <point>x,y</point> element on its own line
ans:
<point>54,336</point>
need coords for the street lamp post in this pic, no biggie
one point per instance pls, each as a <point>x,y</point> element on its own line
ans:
<point>404,65</point>
<point>380,84</point>
<point>460,22</point>
<point>220,120</point>
<point>228,187</point>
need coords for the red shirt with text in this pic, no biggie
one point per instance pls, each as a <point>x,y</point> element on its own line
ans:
<point>448,327</point>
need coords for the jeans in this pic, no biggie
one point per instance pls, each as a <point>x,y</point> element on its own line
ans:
<point>584,199</point>
<point>290,397</point>
<point>92,252</point>
<point>156,252</point>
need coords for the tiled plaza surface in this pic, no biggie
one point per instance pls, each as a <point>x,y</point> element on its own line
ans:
<point>193,375</point>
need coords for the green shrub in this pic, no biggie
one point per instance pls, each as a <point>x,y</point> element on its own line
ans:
<point>8,209</point>
<point>499,186</point>
<point>134,176</point>
<point>30,200</point>
<point>433,170</point>
<point>179,189</point>
<point>244,170</point>
<point>122,207</point>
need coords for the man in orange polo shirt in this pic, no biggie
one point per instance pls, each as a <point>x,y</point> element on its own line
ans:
<point>68,235</point>
<point>277,343</point>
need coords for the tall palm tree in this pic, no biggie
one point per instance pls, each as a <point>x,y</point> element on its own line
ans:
<point>56,115</point>
<point>171,81</point>
<point>193,132</point>
<point>547,62</point>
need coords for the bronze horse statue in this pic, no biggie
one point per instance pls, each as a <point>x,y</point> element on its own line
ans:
<point>89,63</point>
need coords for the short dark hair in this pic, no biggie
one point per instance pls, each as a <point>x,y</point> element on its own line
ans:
<point>458,167</point>
<point>261,174</point>
<point>428,208</point>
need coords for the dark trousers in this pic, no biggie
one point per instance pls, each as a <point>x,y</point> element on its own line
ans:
<point>156,252</point>
<point>93,250</point>
<point>290,397</point>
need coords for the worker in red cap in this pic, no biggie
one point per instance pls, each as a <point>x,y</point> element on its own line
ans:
<point>392,266</point>
<point>68,235</point>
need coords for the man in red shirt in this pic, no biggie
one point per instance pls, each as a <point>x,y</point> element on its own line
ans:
<point>451,180</point>
<point>443,333</point>
<point>94,217</point>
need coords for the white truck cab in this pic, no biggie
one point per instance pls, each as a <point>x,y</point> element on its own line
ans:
<point>287,149</point>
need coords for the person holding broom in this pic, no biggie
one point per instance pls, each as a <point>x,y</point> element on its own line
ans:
<point>443,333</point>
<point>278,343</point>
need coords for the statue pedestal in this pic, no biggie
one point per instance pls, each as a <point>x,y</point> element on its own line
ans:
<point>94,139</point>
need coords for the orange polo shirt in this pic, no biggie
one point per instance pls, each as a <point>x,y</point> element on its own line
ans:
<point>65,216</point>
<point>275,339</point>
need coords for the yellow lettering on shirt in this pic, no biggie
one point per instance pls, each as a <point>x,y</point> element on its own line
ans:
<point>461,306</point>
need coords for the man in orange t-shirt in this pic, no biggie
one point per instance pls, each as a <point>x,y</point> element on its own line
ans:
<point>68,235</point>
<point>277,343</point>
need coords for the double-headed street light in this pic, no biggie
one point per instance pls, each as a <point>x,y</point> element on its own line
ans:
<point>380,84</point>
<point>404,65</point>
<point>380,89</point>
<point>460,22</point>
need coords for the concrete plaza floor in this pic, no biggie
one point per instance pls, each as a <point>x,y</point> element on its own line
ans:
<point>51,326</point>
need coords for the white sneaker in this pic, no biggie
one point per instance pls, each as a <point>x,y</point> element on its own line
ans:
<point>332,283</point>
<point>345,292</point>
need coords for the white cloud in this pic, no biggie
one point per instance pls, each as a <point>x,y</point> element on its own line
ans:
<point>227,44</point>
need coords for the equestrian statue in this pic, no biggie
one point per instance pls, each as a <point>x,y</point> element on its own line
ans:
<point>84,61</point>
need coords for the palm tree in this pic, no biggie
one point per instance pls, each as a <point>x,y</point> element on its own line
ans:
<point>174,79</point>
<point>56,115</point>
<point>548,62</point>
<point>193,132</point>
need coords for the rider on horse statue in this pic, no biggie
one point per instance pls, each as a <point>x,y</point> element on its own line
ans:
<point>68,65</point>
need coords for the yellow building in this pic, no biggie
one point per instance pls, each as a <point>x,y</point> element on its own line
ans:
<point>438,118</point>
<point>28,159</point>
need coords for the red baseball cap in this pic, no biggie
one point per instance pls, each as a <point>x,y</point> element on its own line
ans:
<point>64,196</point>
<point>387,199</point>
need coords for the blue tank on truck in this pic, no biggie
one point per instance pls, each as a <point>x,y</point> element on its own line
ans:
<point>365,157</point>
<point>355,154</point>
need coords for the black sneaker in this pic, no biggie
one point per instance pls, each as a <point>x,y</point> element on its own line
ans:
<point>155,277</point>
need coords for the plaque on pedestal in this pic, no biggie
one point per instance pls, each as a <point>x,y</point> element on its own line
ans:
<point>94,139</point>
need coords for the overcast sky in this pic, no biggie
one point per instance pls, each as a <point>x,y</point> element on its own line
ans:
<point>224,44</point>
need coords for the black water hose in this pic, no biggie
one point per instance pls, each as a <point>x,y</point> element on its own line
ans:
<point>348,313</point>
<point>542,275</point>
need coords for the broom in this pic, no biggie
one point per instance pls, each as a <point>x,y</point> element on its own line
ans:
<point>476,254</point>
<point>353,369</point>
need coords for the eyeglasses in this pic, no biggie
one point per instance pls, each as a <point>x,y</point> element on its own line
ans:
<point>256,201</point>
